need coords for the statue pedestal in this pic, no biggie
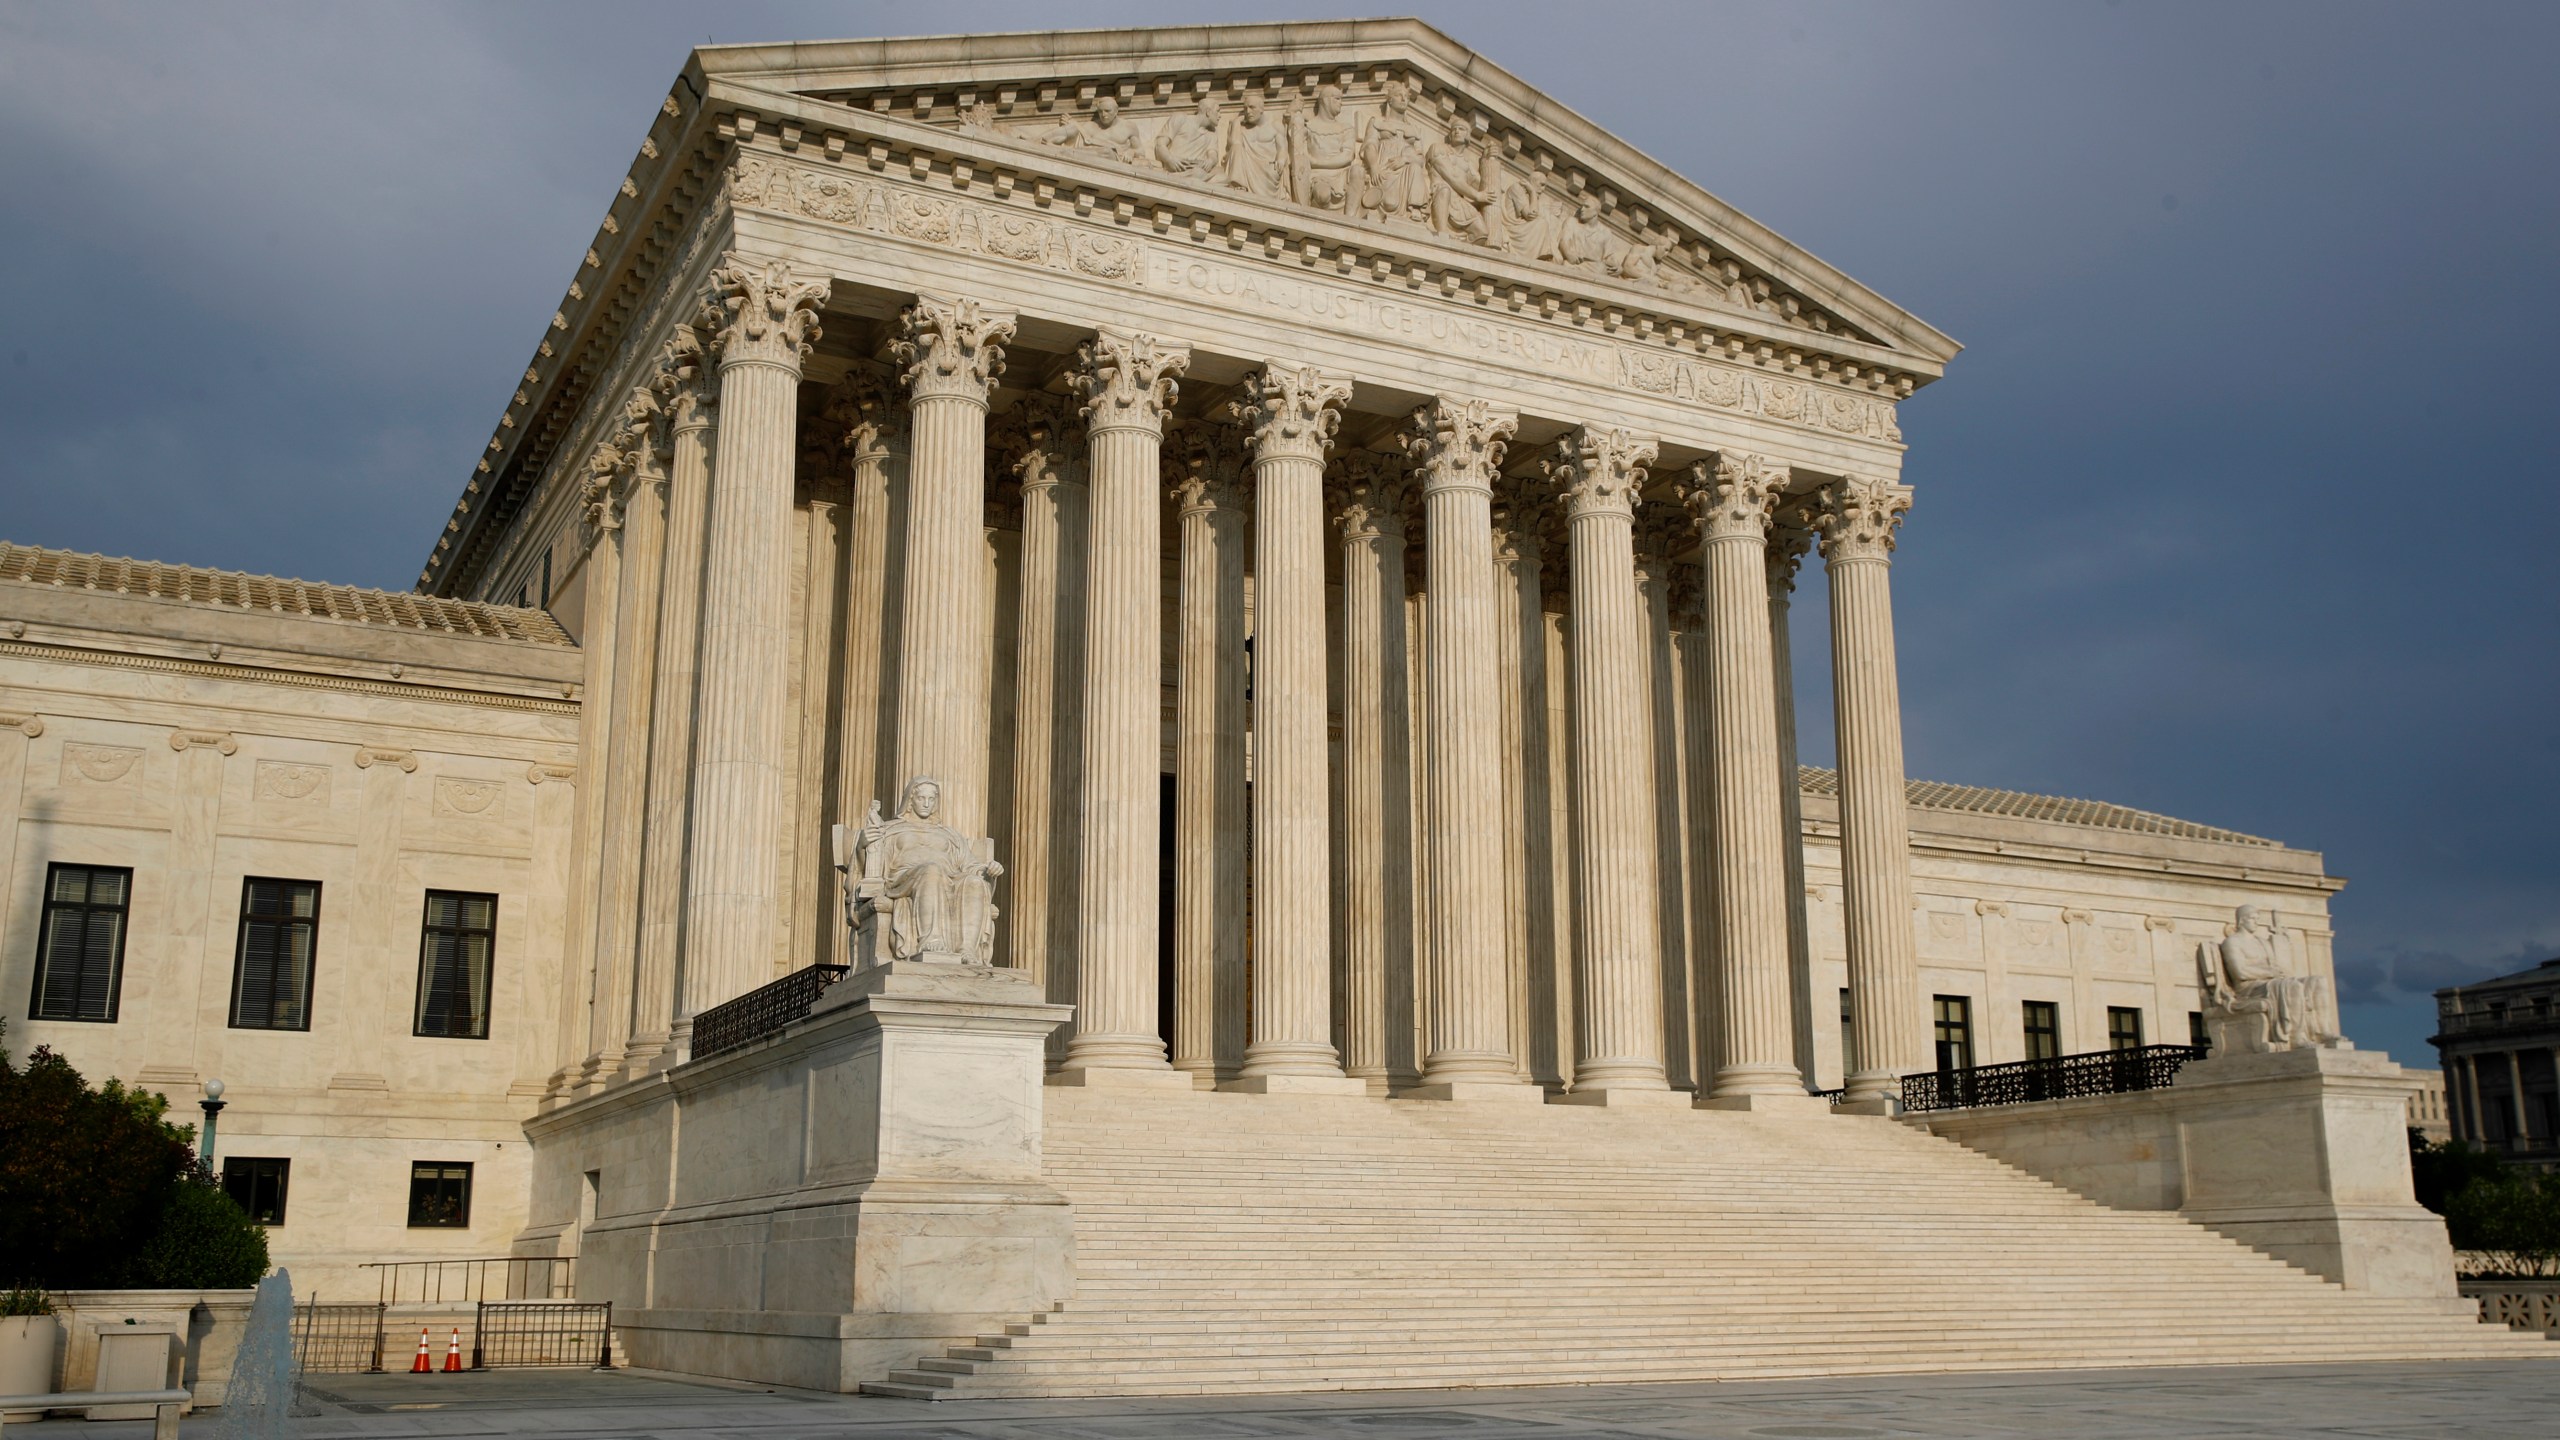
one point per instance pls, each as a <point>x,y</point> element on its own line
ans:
<point>817,1208</point>
<point>2304,1154</point>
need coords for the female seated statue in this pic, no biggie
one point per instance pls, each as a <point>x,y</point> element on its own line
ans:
<point>918,889</point>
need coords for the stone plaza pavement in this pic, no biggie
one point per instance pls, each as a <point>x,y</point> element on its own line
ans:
<point>2505,1399</point>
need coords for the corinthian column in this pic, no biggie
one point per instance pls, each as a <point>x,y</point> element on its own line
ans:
<point>1205,464</point>
<point>1858,518</point>
<point>594,989</point>
<point>952,350</point>
<point>733,868</point>
<point>626,779</point>
<point>1457,447</point>
<point>1127,383</point>
<point>662,1002</point>
<point>1047,669</point>
<point>875,438</point>
<point>1788,540</point>
<point>1618,1045</point>
<point>1289,413</point>
<point>1733,499</point>
<point>1377,785</point>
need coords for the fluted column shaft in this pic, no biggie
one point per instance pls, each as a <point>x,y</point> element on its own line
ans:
<point>953,350</point>
<point>1734,497</point>
<point>1209,765</point>
<point>596,988</point>
<point>662,999</point>
<point>873,556</point>
<point>625,1039</point>
<point>1290,413</point>
<point>1618,1044</point>
<point>1887,1025</point>
<point>1127,382</point>
<point>733,869</point>
<point>1376,776</point>
<point>1052,479</point>
<point>1787,545</point>
<point>1459,445</point>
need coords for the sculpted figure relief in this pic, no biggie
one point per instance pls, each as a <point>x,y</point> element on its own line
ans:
<point>1258,150</point>
<point>1393,143</point>
<point>1460,201</point>
<point>1109,131</point>
<point>1192,145</point>
<point>2252,1004</point>
<point>916,889</point>
<point>1323,147</point>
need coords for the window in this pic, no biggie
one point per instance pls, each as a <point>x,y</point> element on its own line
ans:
<point>2124,1028</point>
<point>1848,1035</point>
<point>2044,1030</point>
<point>80,943</point>
<point>2195,1031</point>
<point>440,1195</point>
<point>1954,1015</point>
<point>453,964</point>
<point>271,972</point>
<point>258,1186</point>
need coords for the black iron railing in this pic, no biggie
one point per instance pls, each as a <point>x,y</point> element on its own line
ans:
<point>761,1011</point>
<point>473,1279</point>
<point>2101,1072</point>
<point>532,1333</point>
<point>337,1339</point>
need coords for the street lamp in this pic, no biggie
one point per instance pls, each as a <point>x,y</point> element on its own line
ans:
<point>211,1105</point>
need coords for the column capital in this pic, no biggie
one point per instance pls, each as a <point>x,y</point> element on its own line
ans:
<point>860,419</point>
<point>1660,534</point>
<point>1364,492</point>
<point>685,382</point>
<point>646,443</point>
<point>1458,444</point>
<point>950,347</point>
<point>1290,411</point>
<point>1788,542</point>
<point>600,494</point>
<point>1523,512</point>
<point>1600,469</point>
<point>1858,517</point>
<point>1038,442</point>
<point>769,312</point>
<point>1735,494</point>
<point>1204,464</point>
<point>1127,380</point>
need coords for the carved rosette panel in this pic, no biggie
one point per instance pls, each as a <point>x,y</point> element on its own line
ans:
<point>950,347</point>
<point>283,783</point>
<point>1127,380</point>
<point>1291,411</point>
<point>1859,517</point>
<point>1600,470</point>
<point>1459,444</point>
<point>769,314</point>
<point>1365,493</point>
<point>99,764</point>
<point>463,798</point>
<point>1735,495</point>
<point>1204,466</point>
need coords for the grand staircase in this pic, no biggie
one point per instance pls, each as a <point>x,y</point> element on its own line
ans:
<point>1234,1244</point>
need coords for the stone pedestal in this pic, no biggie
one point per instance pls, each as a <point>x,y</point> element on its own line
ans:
<point>819,1207</point>
<point>2304,1154</point>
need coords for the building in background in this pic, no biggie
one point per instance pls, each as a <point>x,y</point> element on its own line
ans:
<point>2500,1040</point>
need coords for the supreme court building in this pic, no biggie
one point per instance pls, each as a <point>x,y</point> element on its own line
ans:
<point>1323,516</point>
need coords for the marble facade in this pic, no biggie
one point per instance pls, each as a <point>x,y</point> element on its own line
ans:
<point>1324,518</point>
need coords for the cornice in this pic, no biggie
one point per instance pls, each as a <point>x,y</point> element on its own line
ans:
<point>273,675</point>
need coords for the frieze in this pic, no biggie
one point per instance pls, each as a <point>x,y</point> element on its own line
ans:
<point>1006,233</point>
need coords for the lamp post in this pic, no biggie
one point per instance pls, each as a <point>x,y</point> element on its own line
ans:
<point>211,1105</point>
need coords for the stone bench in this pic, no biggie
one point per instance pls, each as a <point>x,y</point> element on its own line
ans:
<point>164,1405</point>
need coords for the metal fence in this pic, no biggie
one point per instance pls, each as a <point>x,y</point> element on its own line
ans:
<point>337,1339</point>
<point>471,1280</point>
<point>2101,1072</point>
<point>761,1011</point>
<point>535,1333</point>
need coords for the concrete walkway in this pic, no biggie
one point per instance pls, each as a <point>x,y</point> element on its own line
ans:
<point>2505,1400</point>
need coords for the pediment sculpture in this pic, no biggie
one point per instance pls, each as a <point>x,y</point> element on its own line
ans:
<point>915,888</point>
<point>2252,1003</point>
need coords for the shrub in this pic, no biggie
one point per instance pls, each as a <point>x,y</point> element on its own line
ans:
<point>84,1174</point>
<point>203,1241</point>
<point>2515,1217</point>
<point>19,1300</point>
<point>2441,1172</point>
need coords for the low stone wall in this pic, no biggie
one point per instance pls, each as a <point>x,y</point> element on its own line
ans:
<point>2517,1304</point>
<point>213,1322</point>
<point>2302,1154</point>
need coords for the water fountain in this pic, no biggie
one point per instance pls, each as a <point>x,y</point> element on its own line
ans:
<point>259,1405</point>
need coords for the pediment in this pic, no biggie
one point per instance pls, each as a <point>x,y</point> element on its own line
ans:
<point>1384,128</point>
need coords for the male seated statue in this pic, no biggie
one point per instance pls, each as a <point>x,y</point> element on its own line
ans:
<point>916,889</point>
<point>2252,1004</point>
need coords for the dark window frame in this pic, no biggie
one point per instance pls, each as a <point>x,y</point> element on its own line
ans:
<point>85,908</point>
<point>287,921</point>
<point>435,1174</point>
<point>428,934</point>
<point>1956,1033</point>
<point>244,1172</point>
<point>2120,1037</point>
<point>2050,1011</point>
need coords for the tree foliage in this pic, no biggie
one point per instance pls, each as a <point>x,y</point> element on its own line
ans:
<point>98,1188</point>
<point>2511,1216</point>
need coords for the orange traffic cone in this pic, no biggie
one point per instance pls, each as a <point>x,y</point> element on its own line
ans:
<point>453,1353</point>
<point>422,1365</point>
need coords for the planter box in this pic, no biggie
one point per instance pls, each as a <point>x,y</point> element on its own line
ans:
<point>210,1324</point>
<point>29,1347</point>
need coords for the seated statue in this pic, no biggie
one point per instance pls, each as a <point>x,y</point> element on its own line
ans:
<point>916,889</point>
<point>2252,1004</point>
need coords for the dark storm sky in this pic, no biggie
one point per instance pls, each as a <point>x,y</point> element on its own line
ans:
<point>2239,505</point>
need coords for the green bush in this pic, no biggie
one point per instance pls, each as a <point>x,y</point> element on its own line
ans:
<point>2515,1217</point>
<point>204,1241</point>
<point>2444,1171</point>
<point>99,1189</point>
